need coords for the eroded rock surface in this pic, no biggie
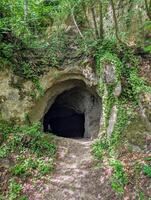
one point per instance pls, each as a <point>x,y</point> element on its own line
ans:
<point>20,97</point>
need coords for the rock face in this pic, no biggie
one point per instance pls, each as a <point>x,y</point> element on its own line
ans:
<point>118,90</point>
<point>138,132</point>
<point>109,73</point>
<point>82,101</point>
<point>75,86</point>
<point>14,101</point>
<point>112,121</point>
<point>20,98</point>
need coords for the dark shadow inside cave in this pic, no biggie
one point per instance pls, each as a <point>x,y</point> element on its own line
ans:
<point>64,121</point>
<point>74,113</point>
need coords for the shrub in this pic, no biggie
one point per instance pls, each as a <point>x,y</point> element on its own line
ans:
<point>14,189</point>
<point>99,148</point>
<point>147,170</point>
<point>119,177</point>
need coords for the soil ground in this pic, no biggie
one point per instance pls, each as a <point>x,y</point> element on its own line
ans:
<point>76,177</point>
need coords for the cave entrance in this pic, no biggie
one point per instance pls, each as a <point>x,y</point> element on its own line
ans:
<point>75,113</point>
<point>64,121</point>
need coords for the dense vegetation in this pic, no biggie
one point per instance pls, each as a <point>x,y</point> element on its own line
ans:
<point>68,29</point>
<point>25,154</point>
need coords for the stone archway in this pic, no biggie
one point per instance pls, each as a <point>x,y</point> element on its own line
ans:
<point>79,103</point>
<point>74,113</point>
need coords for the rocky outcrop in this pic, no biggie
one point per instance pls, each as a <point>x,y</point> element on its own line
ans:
<point>21,99</point>
<point>138,132</point>
<point>15,99</point>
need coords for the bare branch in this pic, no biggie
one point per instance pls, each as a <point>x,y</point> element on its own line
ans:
<point>148,9</point>
<point>101,19</point>
<point>76,25</point>
<point>25,9</point>
<point>115,22</point>
<point>85,14</point>
<point>94,21</point>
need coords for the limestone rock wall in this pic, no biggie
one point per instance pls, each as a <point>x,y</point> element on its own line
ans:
<point>15,99</point>
<point>20,98</point>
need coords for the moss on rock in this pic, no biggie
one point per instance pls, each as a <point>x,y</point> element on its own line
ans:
<point>136,132</point>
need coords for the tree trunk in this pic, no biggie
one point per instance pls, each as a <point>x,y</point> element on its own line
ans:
<point>148,8</point>
<point>115,22</point>
<point>25,9</point>
<point>94,21</point>
<point>76,25</point>
<point>101,20</point>
<point>85,15</point>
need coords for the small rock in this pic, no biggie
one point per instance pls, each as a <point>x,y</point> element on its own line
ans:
<point>118,90</point>
<point>5,163</point>
<point>109,74</point>
<point>148,142</point>
<point>112,120</point>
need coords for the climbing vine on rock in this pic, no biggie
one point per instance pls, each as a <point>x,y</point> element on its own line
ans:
<point>120,87</point>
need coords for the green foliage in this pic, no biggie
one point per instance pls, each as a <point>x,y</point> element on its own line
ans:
<point>138,84</point>
<point>119,177</point>
<point>47,36</point>
<point>32,152</point>
<point>27,44</point>
<point>107,90</point>
<point>124,115</point>
<point>126,70</point>
<point>141,196</point>
<point>38,142</point>
<point>14,190</point>
<point>148,48</point>
<point>6,49</point>
<point>4,151</point>
<point>99,148</point>
<point>113,59</point>
<point>13,11</point>
<point>6,128</point>
<point>25,166</point>
<point>48,32</point>
<point>106,52</point>
<point>147,170</point>
<point>27,70</point>
<point>44,168</point>
<point>134,85</point>
<point>38,87</point>
<point>26,137</point>
<point>57,47</point>
<point>147,28</point>
<point>18,169</point>
<point>23,197</point>
<point>126,67</point>
<point>147,158</point>
<point>2,197</point>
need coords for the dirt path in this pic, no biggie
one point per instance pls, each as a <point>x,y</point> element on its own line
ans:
<point>76,177</point>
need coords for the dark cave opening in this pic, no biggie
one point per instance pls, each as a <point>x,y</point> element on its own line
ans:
<point>74,113</point>
<point>64,121</point>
